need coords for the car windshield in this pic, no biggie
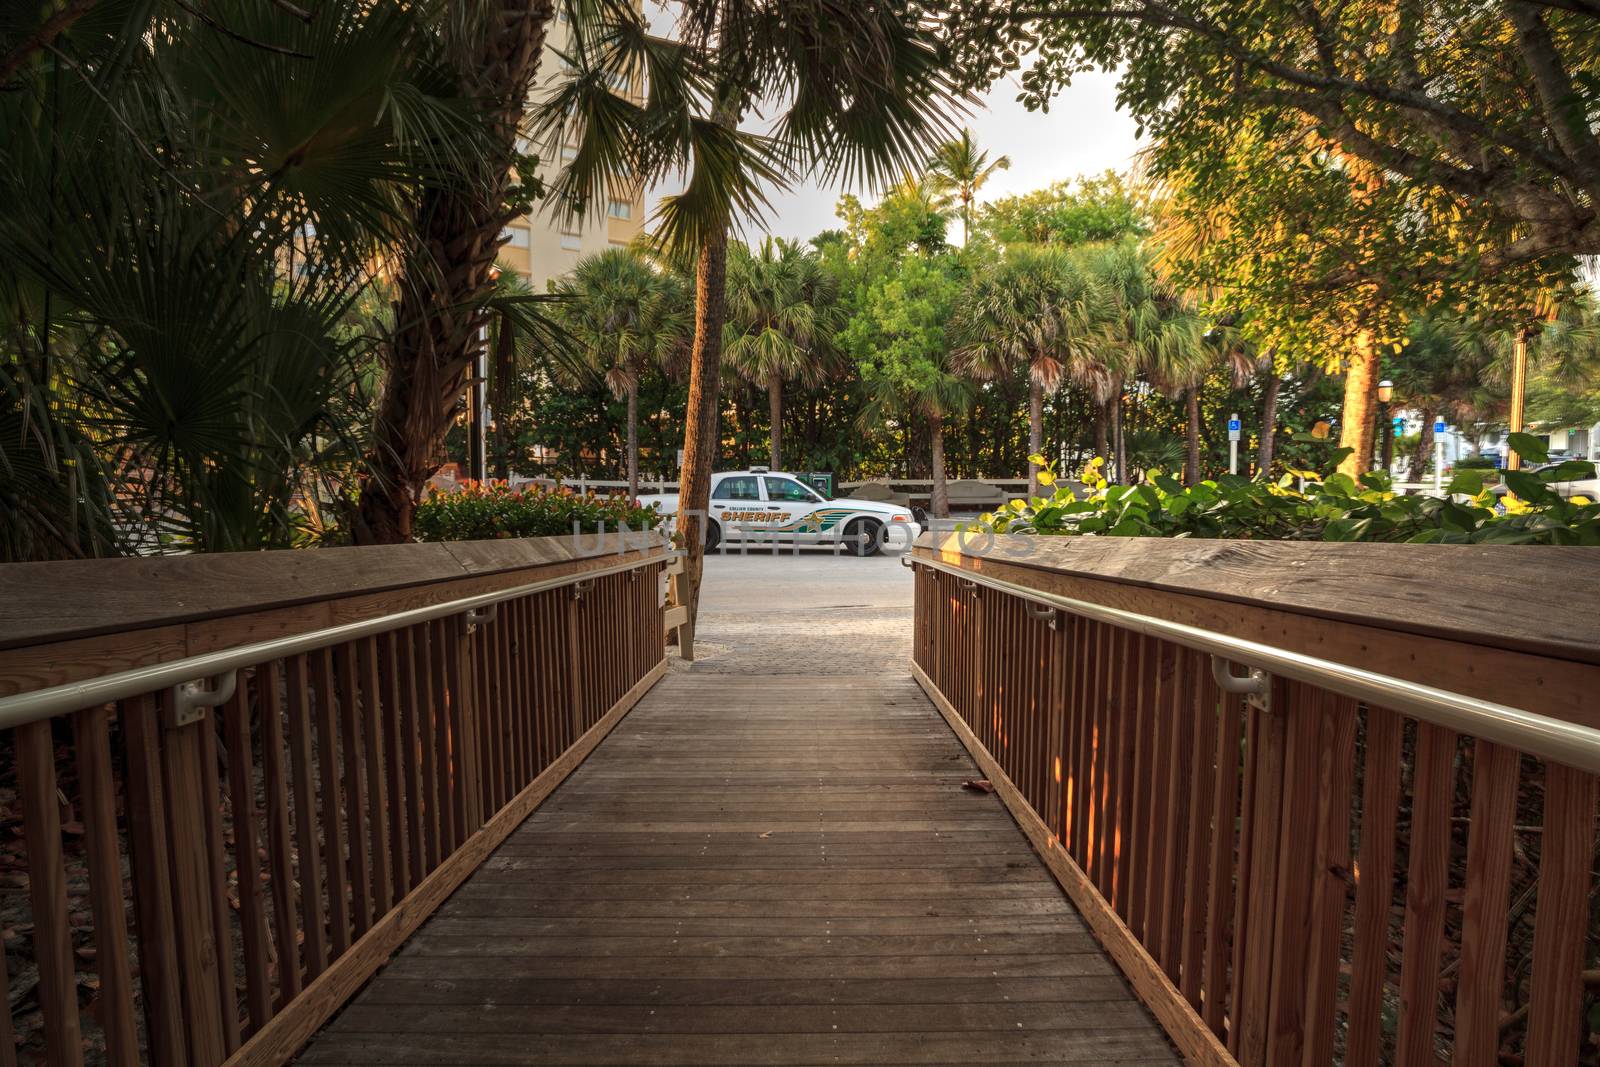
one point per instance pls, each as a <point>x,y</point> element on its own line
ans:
<point>789,489</point>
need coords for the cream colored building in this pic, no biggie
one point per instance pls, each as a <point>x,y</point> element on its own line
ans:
<point>541,246</point>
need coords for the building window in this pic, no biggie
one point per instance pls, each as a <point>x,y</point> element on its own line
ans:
<point>571,242</point>
<point>620,209</point>
<point>515,237</point>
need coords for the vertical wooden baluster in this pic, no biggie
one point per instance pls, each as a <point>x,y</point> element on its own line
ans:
<point>373,716</point>
<point>1219,911</point>
<point>1242,879</point>
<point>1124,837</point>
<point>1178,799</point>
<point>388,654</point>
<point>1162,663</point>
<point>1253,1016</point>
<point>193,901</point>
<point>8,1036</point>
<point>1054,708</point>
<point>47,891</point>
<point>148,852</point>
<point>574,627</point>
<point>447,737</point>
<point>1199,704</point>
<point>486,710</point>
<point>305,818</point>
<point>1137,836</point>
<point>413,731</point>
<point>222,925</point>
<point>510,706</point>
<point>252,909</point>
<point>1306,783</point>
<point>1427,877</point>
<point>469,773</point>
<point>1495,772</point>
<point>1555,1014</point>
<point>335,863</point>
<point>355,781</point>
<point>1088,639</point>
<point>529,704</point>
<point>280,844</point>
<point>1380,800</point>
<point>430,714</point>
<point>91,731</point>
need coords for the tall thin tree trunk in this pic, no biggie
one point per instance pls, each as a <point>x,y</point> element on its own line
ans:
<point>444,280</point>
<point>775,408</point>
<point>702,418</point>
<point>1121,442</point>
<point>1102,419</point>
<point>633,440</point>
<point>1360,407</point>
<point>1191,466</point>
<point>1269,423</point>
<point>1035,432</point>
<point>939,499</point>
<point>1423,453</point>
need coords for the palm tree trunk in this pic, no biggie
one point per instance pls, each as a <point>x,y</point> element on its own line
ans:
<point>1191,467</point>
<point>702,417</point>
<point>444,279</point>
<point>1035,432</point>
<point>1121,442</point>
<point>1360,407</point>
<point>1424,450</point>
<point>1269,423</point>
<point>939,499</point>
<point>633,440</point>
<point>775,404</point>
<point>1102,417</point>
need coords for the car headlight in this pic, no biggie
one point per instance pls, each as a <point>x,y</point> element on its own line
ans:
<point>900,518</point>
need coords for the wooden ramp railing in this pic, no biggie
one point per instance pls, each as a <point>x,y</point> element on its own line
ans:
<point>1322,803</point>
<point>243,780</point>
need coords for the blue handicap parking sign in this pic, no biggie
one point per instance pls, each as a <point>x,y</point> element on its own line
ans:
<point>1438,426</point>
<point>1233,424</point>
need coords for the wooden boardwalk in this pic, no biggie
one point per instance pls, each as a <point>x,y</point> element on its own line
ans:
<point>757,870</point>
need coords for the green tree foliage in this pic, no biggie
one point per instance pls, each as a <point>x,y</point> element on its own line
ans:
<point>1481,115</point>
<point>960,168</point>
<point>186,263</point>
<point>625,315</point>
<point>783,313</point>
<point>1101,208</point>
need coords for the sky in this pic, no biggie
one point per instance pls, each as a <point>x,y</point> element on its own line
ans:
<point>1082,134</point>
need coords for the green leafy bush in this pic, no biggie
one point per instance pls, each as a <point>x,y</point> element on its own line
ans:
<point>1476,463</point>
<point>1305,506</point>
<point>480,512</point>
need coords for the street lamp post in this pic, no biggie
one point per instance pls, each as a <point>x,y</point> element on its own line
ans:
<point>1385,425</point>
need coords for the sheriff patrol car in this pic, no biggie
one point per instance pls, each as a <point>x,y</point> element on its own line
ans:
<point>761,506</point>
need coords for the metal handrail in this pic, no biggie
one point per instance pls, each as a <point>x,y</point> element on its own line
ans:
<point>1564,742</point>
<point>35,705</point>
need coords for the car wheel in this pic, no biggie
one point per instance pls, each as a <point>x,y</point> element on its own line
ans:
<point>864,537</point>
<point>713,535</point>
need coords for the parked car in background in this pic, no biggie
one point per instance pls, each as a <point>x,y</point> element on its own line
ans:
<point>1584,484</point>
<point>761,506</point>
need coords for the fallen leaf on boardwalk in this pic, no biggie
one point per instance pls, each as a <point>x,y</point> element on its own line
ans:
<point>767,834</point>
<point>978,785</point>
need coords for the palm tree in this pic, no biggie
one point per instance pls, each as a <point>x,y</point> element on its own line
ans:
<point>854,91</point>
<point>1034,314</point>
<point>190,315</point>
<point>1149,327</point>
<point>783,310</point>
<point>619,309</point>
<point>959,166</point>
<point>491,51</point>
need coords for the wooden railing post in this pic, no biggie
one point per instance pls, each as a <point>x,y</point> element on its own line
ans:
<point>47,888</point>
<point>464,696</point>
<point>186,748</point>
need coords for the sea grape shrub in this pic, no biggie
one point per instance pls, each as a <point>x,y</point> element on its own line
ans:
<point>1305,506</point>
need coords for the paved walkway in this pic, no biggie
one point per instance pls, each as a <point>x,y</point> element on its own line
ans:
<point>762,867</point>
